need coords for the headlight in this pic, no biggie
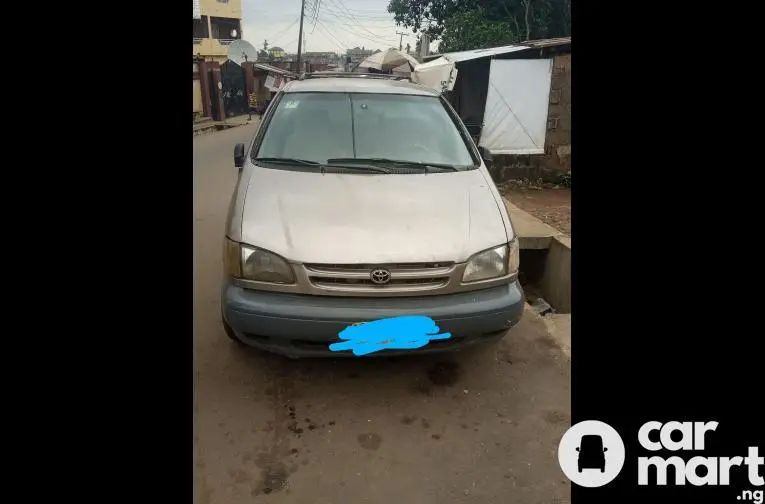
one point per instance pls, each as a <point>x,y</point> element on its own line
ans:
<point>251,263</point>
<point>493,263</point>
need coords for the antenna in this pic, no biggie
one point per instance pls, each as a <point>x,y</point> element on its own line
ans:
<point>241,51</point>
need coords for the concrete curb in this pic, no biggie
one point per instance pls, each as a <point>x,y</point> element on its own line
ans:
<point>556,280</point>
<point>218,126</point>
<point>533,234</point>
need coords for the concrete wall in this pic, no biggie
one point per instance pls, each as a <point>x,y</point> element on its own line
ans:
<point>556,279</point>
<point>226,9</point>
<point>558,142</point>
<point>557,158</point>
<point>209,48</point>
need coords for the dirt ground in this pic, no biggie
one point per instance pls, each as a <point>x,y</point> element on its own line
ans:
<point>472,427</point>
<point>551,206</point>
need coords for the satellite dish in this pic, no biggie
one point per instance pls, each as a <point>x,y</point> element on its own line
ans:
<point>240,51</point>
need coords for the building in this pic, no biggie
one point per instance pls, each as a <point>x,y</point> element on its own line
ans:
<point>216,24</point>
<point>356,55</point>
<point>277,53</point>
<point>321,58</point>
<point>532,141</point>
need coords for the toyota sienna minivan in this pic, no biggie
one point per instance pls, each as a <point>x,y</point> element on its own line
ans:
<point>363,198</point>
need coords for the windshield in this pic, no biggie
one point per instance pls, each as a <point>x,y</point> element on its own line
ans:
<point>592,443</point>
<point>325,126</point>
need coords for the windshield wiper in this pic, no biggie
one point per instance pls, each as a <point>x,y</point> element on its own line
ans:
<point>287,161</point>
<point>350,164</point>
<point>396,162</point>
<point>307,162</point>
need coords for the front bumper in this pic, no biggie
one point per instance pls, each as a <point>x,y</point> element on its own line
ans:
<point>298,325</point>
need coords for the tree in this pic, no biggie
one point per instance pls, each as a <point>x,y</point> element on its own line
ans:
<point>427,16</point>
<point>472,30</point>
<point>508,20</point>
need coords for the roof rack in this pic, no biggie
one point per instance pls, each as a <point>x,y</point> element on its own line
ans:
<point>319,75</point>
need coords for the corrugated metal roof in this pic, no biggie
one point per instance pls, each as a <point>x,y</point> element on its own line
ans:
<point>494,51</point>
<point>272,69</point>
<point>547,42</point>
<point>482,53</point>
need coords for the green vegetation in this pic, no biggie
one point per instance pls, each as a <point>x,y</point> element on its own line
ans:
<point>475,24</point>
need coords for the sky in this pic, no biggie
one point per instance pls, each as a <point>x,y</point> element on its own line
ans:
<point>339,25</point>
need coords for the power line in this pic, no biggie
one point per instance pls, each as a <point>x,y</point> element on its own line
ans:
<point>312,6</point>
<point>364,10</point>
<point>377,40</point>
<point>281,33</point>
<point>349,16</point>
<point>316,14</point>
<point>376,37</point>
<point>290,42</point>
<point>328,33</point>
<point>377,17</point>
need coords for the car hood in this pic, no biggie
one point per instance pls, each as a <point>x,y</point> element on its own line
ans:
<point>360,218</point>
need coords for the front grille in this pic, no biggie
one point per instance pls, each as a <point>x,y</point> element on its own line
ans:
<point>370,267</point>
<point>405,277</point>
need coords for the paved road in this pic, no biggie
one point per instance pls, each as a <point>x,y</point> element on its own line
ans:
<point>475,427</point>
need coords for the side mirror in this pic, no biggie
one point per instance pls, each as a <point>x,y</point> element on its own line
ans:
<point>239,155</point>
<point>486,156</point>
<point>605,449</point>
<point>577,448</point>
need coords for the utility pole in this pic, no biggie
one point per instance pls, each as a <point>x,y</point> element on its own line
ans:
<point>300,39</point>
<point>401,40</point>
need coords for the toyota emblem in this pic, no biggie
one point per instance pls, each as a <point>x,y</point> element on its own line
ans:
<point>380,276</point>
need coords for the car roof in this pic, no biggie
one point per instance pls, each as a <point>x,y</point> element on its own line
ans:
<point>357,85</point>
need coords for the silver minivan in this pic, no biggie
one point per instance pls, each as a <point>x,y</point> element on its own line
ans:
<point>363,198</point>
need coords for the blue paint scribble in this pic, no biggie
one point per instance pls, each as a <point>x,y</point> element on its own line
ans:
<point>396,333</point>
